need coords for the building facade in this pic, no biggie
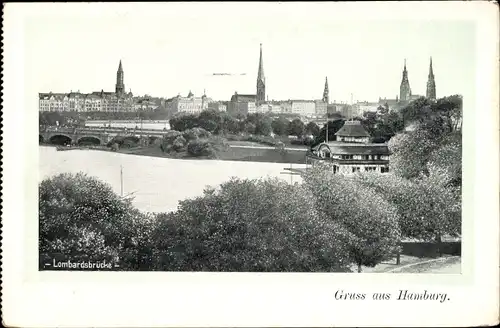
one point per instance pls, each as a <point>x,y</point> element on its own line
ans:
<point>218,105</point>
<point>242,104</point>
<point>98,101</point>
<point>189,104</point>
<point>351,152</point>
<point>144,104</point>
<point>306,108</point>
<point>320,108</point>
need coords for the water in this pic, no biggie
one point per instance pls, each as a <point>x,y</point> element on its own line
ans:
<point>151,125</point>
<point>158,184</point>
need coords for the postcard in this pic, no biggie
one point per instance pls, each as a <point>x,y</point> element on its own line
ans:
<point>250,164</point>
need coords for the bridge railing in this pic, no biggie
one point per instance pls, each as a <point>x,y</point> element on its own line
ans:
<point>106,131</point>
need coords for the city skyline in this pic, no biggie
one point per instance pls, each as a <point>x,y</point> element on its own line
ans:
<point>364,59</point>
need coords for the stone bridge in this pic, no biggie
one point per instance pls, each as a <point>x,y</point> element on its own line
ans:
<point>92,135</point>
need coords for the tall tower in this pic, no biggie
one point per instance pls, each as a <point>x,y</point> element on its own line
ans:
<point>431,84</point>
<point>120,87</point>
<point>404,89</point>
<point>261,81</point>
<point>326,92</point>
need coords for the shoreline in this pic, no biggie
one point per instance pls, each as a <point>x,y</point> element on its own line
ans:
<point>233,153</point>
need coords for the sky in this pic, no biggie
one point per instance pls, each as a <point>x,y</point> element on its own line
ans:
<point>175,48</point>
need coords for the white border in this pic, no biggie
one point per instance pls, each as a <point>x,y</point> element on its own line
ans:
<point>33,299</point>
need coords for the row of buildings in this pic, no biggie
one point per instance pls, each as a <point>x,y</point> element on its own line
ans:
<point>121,101</point>
<point>251,103</point>
<point>405,94</point>
<point>351,151</point>
<point>98,101</point>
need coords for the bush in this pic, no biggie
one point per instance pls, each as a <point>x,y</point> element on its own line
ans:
<point>370,221</point>
<point>250,225</point>
<point>428,208</point>
<point>168,140</point>
<point>196,133</point>
<point>129,143</point>
<point>179,144</point>
<point>200,147</point>
<point>82,217</point>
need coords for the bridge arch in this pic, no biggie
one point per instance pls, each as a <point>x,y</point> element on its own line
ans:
<point>89,140</point>
<point>60,139</point>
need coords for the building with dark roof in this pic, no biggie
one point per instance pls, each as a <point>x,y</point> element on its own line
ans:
<point>242,104</point>
<point>353,131</point>
<point>351,152</point>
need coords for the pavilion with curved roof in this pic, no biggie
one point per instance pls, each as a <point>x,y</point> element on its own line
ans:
<point>351,152</point>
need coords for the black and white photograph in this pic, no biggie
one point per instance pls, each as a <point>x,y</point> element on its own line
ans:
<point>211,138</point>
<point>276,155</point>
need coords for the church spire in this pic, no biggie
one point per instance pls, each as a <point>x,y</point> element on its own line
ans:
<point>326,92</point>
<point>404,89</point>
<point>120,87</point>
<point>431,83</point>
<point>261,81</point>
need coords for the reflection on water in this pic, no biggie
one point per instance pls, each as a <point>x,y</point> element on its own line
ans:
<point>158,184</point>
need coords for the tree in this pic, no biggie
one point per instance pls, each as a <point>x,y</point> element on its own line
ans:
<point>179,144</point>
<point>280,126</point>
<point>249,128</point>
<point>371,223</point>
<point>51,118</point>
<point>428,208</point>
<point>183,122</point>
<point>168,140</point>
<point>383,110</point>
<point>440,117</point>
<point>211,120</point>
<point>296,128</point>
<point>410,152</point>
<point>433,134</point>
<point>82,216</point>
<point>250,225</point>
<point>263,126</point>
<point>231,124</point>
<point>333,127</point>
<point>313,129</point>
<point>448,157</point>
<point>196,133</point>
<point>200,147</point>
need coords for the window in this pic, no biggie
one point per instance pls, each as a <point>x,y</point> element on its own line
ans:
<point>384,169</point>
<point>347,157</point>
<point>355,169</point>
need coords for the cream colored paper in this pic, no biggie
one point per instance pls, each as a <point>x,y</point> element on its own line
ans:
<point>46,299</point>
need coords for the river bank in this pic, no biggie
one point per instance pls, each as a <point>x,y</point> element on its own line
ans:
<point>236,152</point>
<point>156,183</point>
<point>232,153</point>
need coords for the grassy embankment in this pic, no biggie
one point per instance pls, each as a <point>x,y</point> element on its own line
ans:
<point>235,152</point>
